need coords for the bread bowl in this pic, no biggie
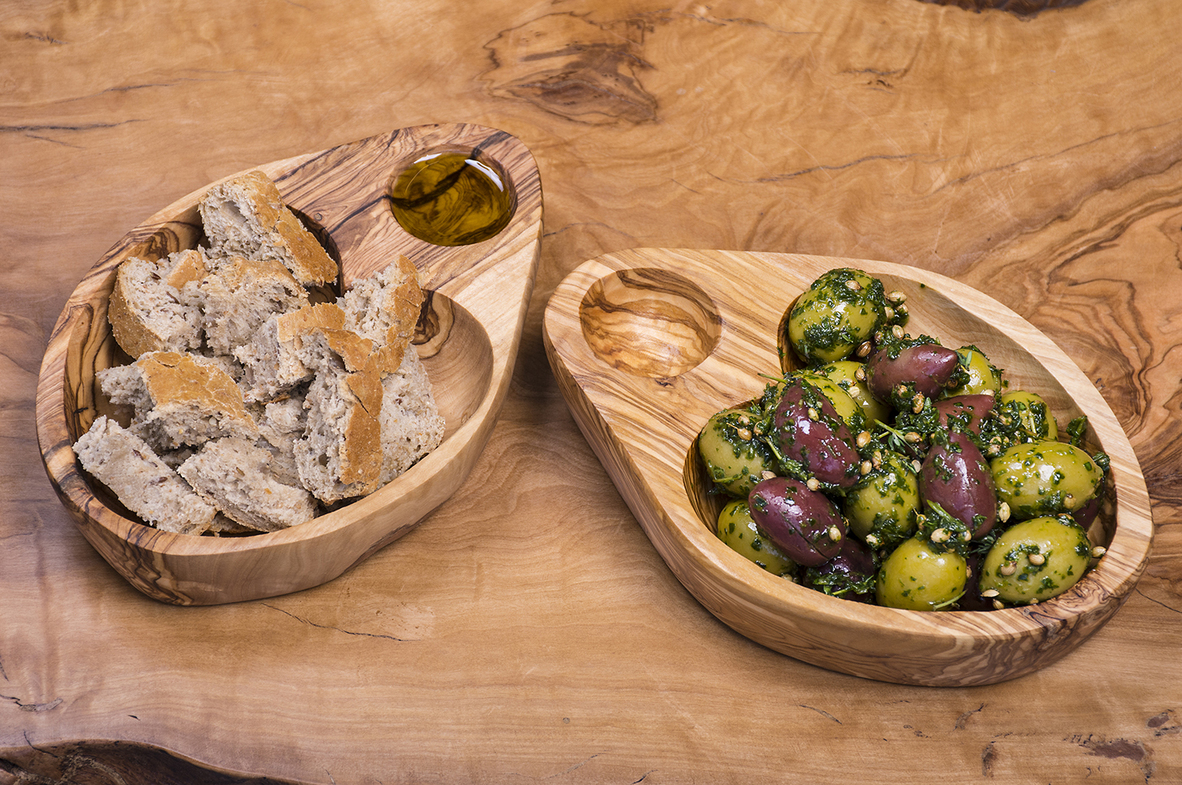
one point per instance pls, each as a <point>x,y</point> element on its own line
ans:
<point>476,297</point>
<point>647,344</point>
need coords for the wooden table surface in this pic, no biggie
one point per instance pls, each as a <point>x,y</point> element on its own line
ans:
<point>528,631</point>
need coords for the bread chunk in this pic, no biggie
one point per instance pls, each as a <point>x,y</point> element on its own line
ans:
<point>178,399</point>
<point>385,309</point>
<point>340,456</point>
<point>271,362</point>
<point>411,423</point>
<point>281,424</point>
<point>148,311</point>
<point>241,294</point>
<point>233,475</point>
<point>145,484</point>
<point>246,216</point>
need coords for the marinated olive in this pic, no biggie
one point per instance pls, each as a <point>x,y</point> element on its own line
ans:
<point>881,509</point>
<point>956,476</point>
<point>964,413</point>
<point>738,530</point>
<point>916,577</point>
<point>1045,478</point>
<point>847,408</point>
<point>846,374</point>
<point>896,374</point>
<point>812,439</point>
<point>840,310</point>
<point>1030,414</point>
<point>804,523</point>
<point>850,574</point>
<point>982,376</point>
<point>734,458</point>
<point>1035,560</point>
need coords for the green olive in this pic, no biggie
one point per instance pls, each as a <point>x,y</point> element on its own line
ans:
<point>737,529</point>
<point>845,374</point>
<point>882,508</point>
<point>734,458</point>
<point>1036,560</point>
<point>1031,412</point>
<point>983,376</point>
<point>917,578</point>
<point>1045,478</point>
<point>841,309</point>
<point>847,408</point>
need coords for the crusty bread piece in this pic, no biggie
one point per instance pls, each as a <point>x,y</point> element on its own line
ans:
<point>411,423</point>
<point>340,455</point>
<point>148,312</point>
<point>385,309</point>
<point>145,484</point>
<point>232,474</point>
<point>178,399</point>
<point>271,363</point>
<point>281,424</point>
<point>241,294</point>
<point>246,216</point>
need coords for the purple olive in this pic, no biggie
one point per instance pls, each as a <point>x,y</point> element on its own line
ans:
<point>1086,515</point>
<point>956,476</point>
<point>804,523</point>
<point>807,430</point>
<point>847,572</point>
<point>924,369</point>
<point>964,412</point>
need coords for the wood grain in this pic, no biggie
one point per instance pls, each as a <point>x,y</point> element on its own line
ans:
<point>528,629</point>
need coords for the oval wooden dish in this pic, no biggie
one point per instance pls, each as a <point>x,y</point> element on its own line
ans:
<point>647,344</point>
<point>468,336</point>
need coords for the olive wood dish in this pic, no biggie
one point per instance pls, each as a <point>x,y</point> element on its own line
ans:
<point>468,336</point>
<point>647,344</point>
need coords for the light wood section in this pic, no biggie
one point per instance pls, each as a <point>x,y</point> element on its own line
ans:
<point>470,329</point>
<point>647,344</point>
<point>528,629</point>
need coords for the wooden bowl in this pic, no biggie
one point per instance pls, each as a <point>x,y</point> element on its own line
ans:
<point>476,301</point>
<point>647,344</point>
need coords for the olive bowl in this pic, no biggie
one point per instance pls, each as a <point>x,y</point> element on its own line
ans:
<point>647,344</point>
<point>469,331</point>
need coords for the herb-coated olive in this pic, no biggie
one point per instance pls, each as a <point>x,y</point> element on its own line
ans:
<point>956,476</point>
<point>1045,478</point>
<point>918,578</point>
<point>850,574</point>
<point>1030,414</point>
<point>964,413</point>
<point>896,374</point>
<point>1036,560</point>
<point>734,458</point>
<point>845,373</point>
<point>847,408</point>
<point>811,437</point>
<point>738,530</point>
<point>983,377</point>
<point>841,309</point>
<point>804,523</point>
<point>881,509</point>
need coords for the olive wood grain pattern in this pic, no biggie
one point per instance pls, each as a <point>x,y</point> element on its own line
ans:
<point>476,300</point>
<point>646,344</point>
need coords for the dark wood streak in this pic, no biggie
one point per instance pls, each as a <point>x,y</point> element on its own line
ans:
<point>1023,8</point>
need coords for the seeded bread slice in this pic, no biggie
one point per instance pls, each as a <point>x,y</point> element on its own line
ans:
<point>340,455</point>
<point>411,423</point>
<point>233,475</point>
<point>271,362</point>
<point>147,310</point>
<point>240,295</point>
<point>178,399</point>
<point>246,216</point>
<point>145,484</point>
<point>385,309</point>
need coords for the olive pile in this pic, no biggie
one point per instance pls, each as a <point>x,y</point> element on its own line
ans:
<point>894,470</point>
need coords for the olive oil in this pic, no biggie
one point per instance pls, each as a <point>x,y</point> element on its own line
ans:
<point>452,198</point>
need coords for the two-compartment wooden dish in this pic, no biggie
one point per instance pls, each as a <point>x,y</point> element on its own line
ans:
<point>477,296</point>
<point>646,344</point>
